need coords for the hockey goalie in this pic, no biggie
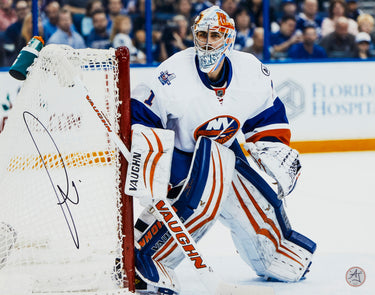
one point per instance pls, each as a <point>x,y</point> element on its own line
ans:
<point>207,95</point>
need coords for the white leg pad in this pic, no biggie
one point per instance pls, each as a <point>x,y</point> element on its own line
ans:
<point>258,236</point>
<point>167,279</point>
<point>198,205</point>
<point>207,205</point>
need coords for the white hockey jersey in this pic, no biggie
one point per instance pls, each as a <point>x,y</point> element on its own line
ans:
<point>180,97</point>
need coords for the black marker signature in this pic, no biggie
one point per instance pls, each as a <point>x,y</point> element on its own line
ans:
<point>61,195</point>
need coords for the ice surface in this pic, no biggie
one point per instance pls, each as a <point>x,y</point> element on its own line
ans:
<point>334,205</point>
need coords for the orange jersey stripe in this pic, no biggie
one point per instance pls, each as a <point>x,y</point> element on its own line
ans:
<point>282,134</point>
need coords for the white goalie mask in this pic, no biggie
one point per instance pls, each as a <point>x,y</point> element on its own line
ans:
<point>214,36</point>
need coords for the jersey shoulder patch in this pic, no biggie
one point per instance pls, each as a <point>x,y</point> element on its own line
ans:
<point>166,78</point>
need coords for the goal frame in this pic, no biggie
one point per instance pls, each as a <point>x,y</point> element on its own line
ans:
<point>33,261</point>
<point>123,58</point>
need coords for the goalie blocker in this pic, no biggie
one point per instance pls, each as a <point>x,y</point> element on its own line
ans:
<point>219,188</point>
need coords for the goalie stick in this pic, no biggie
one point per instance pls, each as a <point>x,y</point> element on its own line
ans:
<point>206,274</point>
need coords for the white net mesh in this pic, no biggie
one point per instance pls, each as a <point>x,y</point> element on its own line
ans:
<point>60,221</point>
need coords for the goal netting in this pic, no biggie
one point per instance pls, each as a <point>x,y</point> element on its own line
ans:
<point>63,216</point>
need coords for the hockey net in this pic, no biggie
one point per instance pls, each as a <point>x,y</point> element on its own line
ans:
<point>65,225</point>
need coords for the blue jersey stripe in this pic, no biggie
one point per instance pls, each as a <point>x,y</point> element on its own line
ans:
<point>140,114</point>
<point>275,114</point>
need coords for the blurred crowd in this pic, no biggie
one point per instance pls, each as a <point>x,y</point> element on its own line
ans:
<point>300,29</point>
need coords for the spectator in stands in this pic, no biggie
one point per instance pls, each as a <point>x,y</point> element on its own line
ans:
<point>140,43</point>
<point>200,5</point>
<point>99,35</point>
<point>337,9</point>
<point>8,15</point>
<point>285,8</point>
<point>363,41</point>
<point>139,22</point>
<point>12,35</point>
<point>175,37</point>
<point>309,16</point>
<point>121,29</point>
<point>51,19</point>
<point>184,8</point>
<point>255,8</point>
<point>78,11</point>
<point>122,24</point>
<point>258,43</point>
<point>284,38</point>
<point>27,29</point>
<point>307,49</point>
<point>288,7</point>
<point>244,29</point>
<point>86,24</point>
<point>75,6</point>
<point>366,24</point>
<point>139,29</point>
<point>340,43</point>
<point>353,11</point>
<point>115,8</point>
<point>164,10</point>
<point>26,34</point>
<point>130,6</point>
<point>64,33</point>
<point>166,7</point>
<point>230,6</point>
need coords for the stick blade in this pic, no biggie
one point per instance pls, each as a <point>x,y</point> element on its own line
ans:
<point>230,289</point>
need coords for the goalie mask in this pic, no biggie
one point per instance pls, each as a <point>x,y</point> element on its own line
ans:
<point>214,36</point>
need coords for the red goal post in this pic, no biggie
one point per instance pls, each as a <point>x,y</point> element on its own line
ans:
<point>66,225</point>
<point>123,58</point>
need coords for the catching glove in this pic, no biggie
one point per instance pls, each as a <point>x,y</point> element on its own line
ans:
<point>279,161</point>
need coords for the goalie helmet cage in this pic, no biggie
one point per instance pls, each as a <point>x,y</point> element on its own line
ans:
<point>66,226</point>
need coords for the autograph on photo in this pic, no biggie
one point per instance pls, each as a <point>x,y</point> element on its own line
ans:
<point>63,197</point>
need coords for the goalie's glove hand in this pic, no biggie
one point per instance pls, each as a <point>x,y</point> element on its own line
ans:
<point>279,161</point>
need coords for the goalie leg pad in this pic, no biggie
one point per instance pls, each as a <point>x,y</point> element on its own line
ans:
<point>197,205</point>
<point>261,230</point>
<point>155,275</point>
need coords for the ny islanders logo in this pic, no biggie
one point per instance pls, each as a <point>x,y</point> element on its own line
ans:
<point>221,129</point>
